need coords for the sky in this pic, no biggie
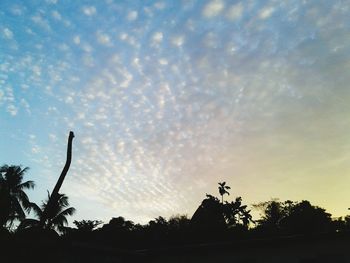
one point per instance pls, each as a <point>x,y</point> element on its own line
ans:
<point>168,98</point>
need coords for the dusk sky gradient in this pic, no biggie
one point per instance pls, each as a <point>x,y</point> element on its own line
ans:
<point>167,98</point>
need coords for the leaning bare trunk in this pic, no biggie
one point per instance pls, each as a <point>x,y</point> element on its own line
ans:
<point>55,196</point>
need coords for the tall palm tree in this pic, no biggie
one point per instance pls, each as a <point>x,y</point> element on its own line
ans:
<point>14,202</point>
<point>223,190</point>
<point>57,219</point>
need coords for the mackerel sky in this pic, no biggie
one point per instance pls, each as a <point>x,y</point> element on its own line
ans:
<point>167,98</point>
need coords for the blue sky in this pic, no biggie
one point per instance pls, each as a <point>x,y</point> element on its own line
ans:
<point>167,98</point>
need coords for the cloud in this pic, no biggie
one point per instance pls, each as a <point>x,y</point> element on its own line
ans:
<point>178,40</point>
<point>85,46</point>
<point>7,33</point>
<point>53,2</point>
<point>266,12</point>
<point>53,137</point>
<point>25,105</point>
<point>89,10</point>
<point>56,15</point>
<point>157,37</point>
<point>160,5</point>
<point>12,109</point>
<point>132,15</point>
<point>209,95</point>
<point>35,149</point>
<point>88,60</point>
<point>40,21</point>
<point>17,10</point>
<point>69,100</point>
<point>1,96</point>
<point>163,61</point>
<point>235,12</point>
<point>213,8</point>
<point>76,40</point>
<point>103,38</point>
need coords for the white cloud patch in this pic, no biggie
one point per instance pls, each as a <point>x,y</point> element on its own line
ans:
<point>235,12</point>
<point>69,100</point>
<point>160,5</point>
<point>89,10</point>
<point>53,2</point>
<point>56,15</point>
<point>103,38</point>
<point>178,40</point>
<point>1,95</point>
<point>132,15</point>
<point>12,109</point>
<point>88,60</point>
<point>35,149</point>
<point>25,105</point>
<point>40,21</point>
<point>213,8</point>
<point>53,137</point>
<point>7,33</point>
<point>157,38</point>
<point>17,10</point>
<point>266,12</point>
<point>85,46</point>
<point>76,40</point>
<point>163,61</point>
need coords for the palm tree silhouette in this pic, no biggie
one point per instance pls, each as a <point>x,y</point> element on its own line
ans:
<point>56,219</point>
<point>223,190</point>
<point>14,202</point>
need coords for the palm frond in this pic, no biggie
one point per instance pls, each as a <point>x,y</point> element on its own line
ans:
<point>59,220</point>
<point>28,222</point>
<point>68,212</point>
<point>26,185</point>
<point>3,168</point>
<point>23,198</point>
<point>17,208</point>
<point>37,210</point>
<point>63,200</point>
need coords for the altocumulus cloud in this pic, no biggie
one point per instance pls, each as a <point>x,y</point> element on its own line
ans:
<point>167,99</point>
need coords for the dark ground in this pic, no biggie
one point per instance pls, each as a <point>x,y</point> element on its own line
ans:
<point>331,248</point>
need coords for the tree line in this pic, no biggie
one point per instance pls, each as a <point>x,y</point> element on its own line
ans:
<point>216,219</point>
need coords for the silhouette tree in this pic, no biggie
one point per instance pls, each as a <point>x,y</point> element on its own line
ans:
<point>293,218</point>
<point>341,224</point>
<point>14,202</point>
<point>273,212</point>
<point>117,231</point>
<point>118,225</point>
<point>209,214</point>
<point>223,190</point>
<point>87,225</point>
<point>178,222</point>
<point>214,214</point>
<point>56,219</point>
<point>236,214</point>
<point>305,218</point>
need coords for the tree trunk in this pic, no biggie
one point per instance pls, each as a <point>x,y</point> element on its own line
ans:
<point>55,195</point>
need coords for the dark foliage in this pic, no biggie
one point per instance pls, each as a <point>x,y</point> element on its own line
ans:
<point>213,221</point>
<point>287,218</point>
<point>87,225</point>
<point>14,202</point>
<point>56,219</point>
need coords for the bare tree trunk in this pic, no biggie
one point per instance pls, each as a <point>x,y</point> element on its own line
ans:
<point>55,195</point>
